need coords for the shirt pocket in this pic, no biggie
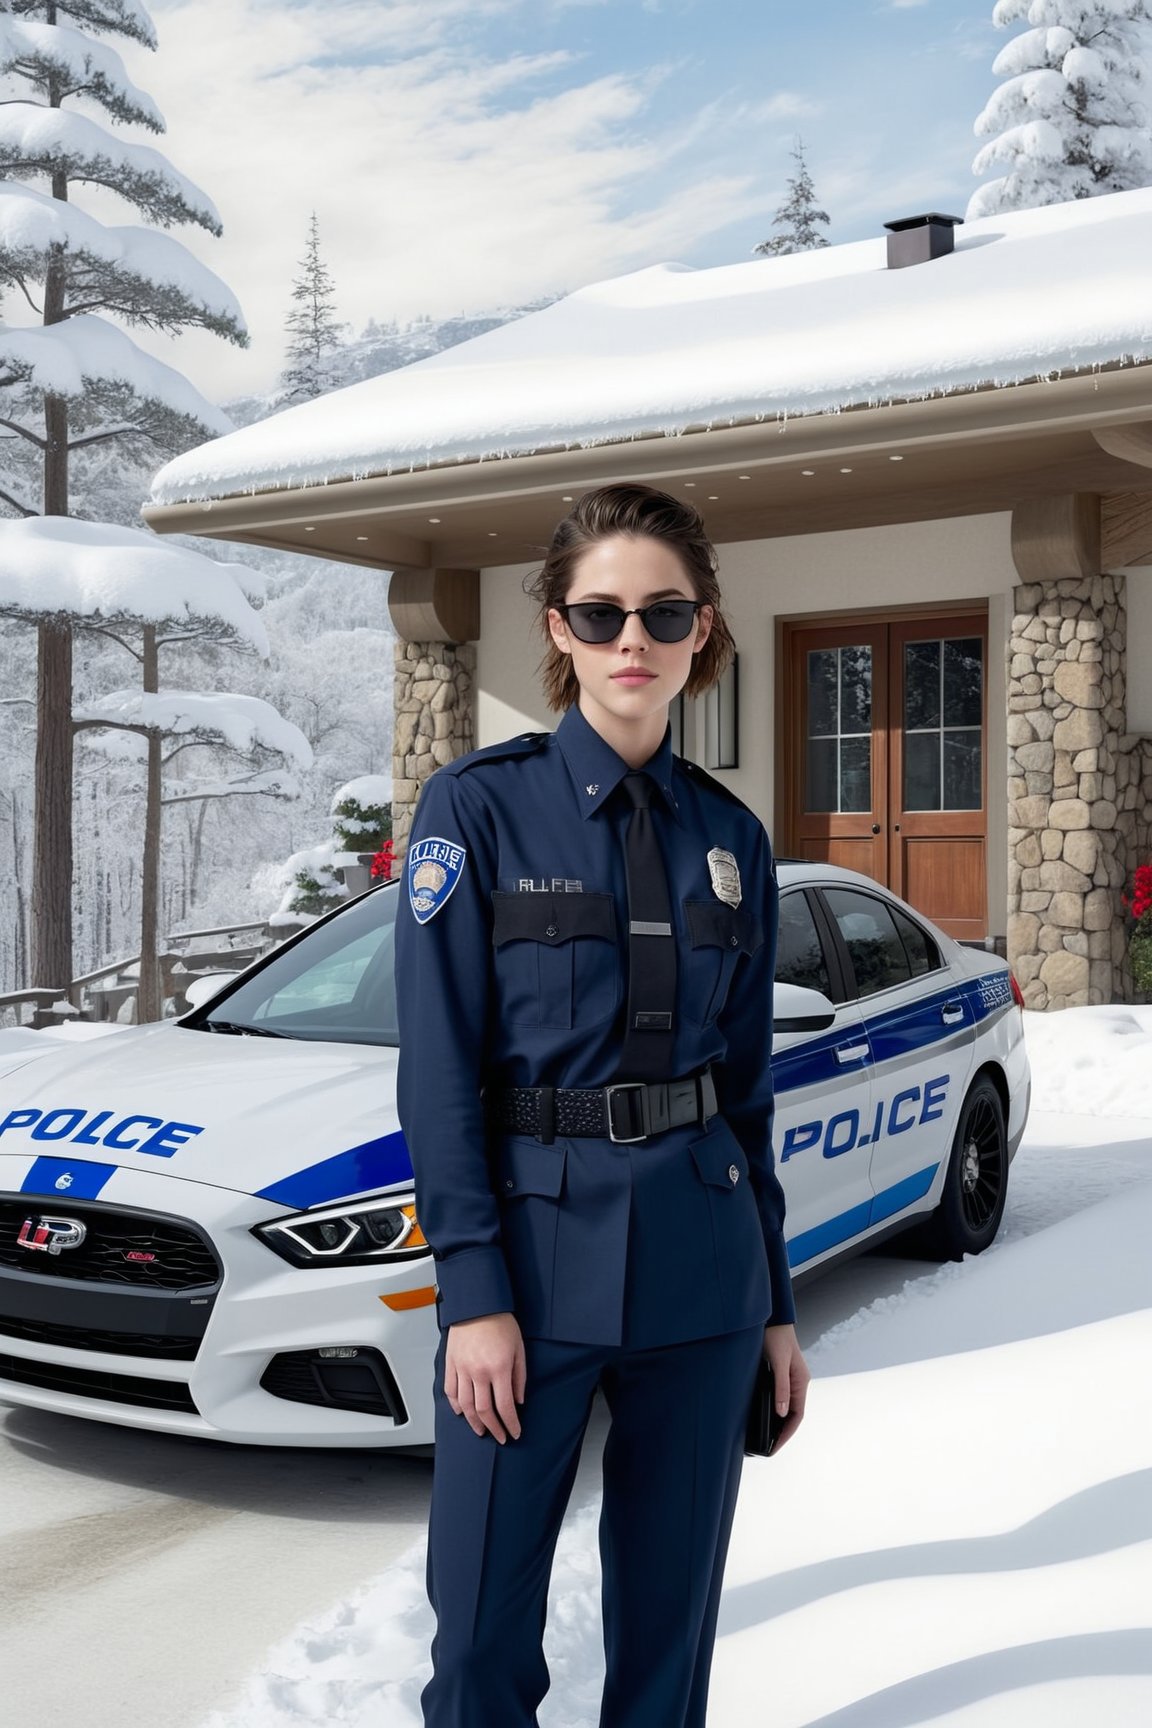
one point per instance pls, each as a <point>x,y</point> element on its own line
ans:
<point>557,959</point>
<point>718,935</point>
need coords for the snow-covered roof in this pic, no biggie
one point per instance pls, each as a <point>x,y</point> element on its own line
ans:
<point>1026,295</point>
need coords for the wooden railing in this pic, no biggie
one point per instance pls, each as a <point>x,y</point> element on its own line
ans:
<point>103,995</point>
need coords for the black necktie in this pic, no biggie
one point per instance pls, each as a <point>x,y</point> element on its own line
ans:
<point>649,1029</point>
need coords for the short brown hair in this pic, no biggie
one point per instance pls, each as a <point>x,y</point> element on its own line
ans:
<point>629,509</point>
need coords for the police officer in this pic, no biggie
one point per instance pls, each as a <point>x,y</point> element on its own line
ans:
<point>585,963</point>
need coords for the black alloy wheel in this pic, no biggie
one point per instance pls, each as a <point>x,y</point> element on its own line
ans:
<point>976,1184</point>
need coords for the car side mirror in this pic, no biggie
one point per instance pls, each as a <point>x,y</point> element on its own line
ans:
<point>206,985</point>
<point>798,1009</point>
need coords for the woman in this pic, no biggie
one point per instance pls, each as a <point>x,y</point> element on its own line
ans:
<point>585,985</point>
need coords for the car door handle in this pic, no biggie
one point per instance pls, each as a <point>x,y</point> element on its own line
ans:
<point>952,1013</point>
<point>852,1053</point>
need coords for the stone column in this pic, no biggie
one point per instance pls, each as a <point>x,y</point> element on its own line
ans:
<point>1071,802</point>
<point>433,706</point>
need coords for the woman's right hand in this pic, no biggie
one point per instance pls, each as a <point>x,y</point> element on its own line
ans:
<point>485,1373</point>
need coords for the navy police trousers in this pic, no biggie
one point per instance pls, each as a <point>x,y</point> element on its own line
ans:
<point>672,1462</point>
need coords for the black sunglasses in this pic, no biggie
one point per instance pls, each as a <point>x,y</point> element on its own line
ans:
<point>602,621</point>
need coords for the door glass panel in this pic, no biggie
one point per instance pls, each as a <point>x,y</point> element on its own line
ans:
<point>962,770</point>
<point>963,681</point>
<point>799,956</point>
<point>921,685</point>
<point>822,682</point>
<point>874,946</point>
<point>943,715</point>
<point>821,783</point>
<point>855,689</point>
<point>838,746</point>
<point>856,774</point>
<point>922,771</point>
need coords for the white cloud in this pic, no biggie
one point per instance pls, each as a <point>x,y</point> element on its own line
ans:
<point>445,177</point>
<point>785,105</point>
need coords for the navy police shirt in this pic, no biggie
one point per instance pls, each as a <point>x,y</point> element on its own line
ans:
<point>511,952</point>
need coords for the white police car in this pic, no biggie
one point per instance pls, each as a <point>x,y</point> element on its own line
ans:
<point>207,1225</point>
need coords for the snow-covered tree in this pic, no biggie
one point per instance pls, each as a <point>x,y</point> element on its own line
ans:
<point>313,329</point>
<point>146,594</point>
<point>262,747</point>
<point>312,879</point>
<point>1072,119</point>
<point>71,381</point>
<point>798,218</point>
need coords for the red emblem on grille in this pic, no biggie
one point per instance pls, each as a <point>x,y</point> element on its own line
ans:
<point>135,1254</point>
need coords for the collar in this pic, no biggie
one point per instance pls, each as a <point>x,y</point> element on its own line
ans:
<point>597,770</point>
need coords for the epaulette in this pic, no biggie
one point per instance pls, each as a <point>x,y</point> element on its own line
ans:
<point>525,744</point>
<point>702,778</point>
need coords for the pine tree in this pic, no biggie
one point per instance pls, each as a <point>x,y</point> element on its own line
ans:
<point>798,216</point>
<point>313,329</point>
<point>1072,120</point>
<point>75,381</point>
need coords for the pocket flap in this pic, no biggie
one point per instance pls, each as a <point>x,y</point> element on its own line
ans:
<point>717,1158</point>
<point>551,918</point>
<point>526,1166</point>
<point>712,924</point>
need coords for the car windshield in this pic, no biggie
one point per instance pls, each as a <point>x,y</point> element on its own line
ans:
<point>338,983</point>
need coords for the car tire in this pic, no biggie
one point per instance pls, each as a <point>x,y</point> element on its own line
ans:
<point>976,1184</point>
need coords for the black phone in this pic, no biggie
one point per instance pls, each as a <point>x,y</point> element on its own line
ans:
<point>764,1423</point>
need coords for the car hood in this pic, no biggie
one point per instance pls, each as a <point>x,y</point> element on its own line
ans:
<point>297,1122</point>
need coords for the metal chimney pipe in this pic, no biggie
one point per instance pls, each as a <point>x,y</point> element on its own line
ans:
<point>916,239</point>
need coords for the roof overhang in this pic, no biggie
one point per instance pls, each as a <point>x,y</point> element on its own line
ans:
<point>950,455</point>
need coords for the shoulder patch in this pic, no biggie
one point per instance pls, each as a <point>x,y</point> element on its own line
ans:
<point>525,744</point>
<point>434,867</point>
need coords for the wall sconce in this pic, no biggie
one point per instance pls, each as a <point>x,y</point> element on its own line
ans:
<point>722,721</point>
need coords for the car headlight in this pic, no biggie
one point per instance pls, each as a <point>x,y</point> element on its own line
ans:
<point>358,1235</point>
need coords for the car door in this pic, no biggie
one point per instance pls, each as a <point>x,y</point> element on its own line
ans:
<point>823,1084</point>
<point>919,1026</point>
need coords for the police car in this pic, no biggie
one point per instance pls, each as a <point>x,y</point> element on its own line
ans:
<point>207,1226</point>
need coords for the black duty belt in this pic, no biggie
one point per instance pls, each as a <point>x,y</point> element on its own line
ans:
<point>626,1112</point>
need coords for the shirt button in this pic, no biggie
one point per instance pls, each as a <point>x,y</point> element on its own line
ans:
<point>509,1183</point>
<point>551,930</point>
<point>735,941</point>
<point>733,1173</point>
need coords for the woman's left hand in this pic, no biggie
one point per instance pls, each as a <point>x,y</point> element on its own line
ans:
<point>791,1375</point>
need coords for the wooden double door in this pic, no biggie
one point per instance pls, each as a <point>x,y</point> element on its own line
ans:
<point>883,764</point>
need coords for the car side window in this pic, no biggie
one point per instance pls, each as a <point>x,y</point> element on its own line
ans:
<point>799,955</point>
<point>923,954</point>
<point>872,939</point>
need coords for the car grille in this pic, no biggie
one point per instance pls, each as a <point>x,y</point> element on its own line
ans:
<point>92,1383</point>
<point>89,1338</point>
<point>183,1258</point>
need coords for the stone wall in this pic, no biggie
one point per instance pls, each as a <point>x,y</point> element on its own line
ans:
<point>1075,801</point>
<point>433,707</point>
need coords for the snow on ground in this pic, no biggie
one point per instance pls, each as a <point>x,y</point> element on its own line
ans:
<point>669,349</point>
<point>961,1534</point>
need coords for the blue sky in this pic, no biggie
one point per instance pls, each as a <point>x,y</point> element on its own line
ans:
<point>463,154</point>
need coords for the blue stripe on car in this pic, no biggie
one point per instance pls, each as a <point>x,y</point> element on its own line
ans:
<point>375,1164</point>
<point>845,1225</point>
<point>85,1180</point>
<point>895,1032</point>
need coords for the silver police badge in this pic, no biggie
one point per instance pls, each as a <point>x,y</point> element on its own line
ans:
<point>725,874</point>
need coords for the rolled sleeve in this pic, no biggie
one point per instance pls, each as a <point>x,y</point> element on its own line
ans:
<point>744,1081</point>
<point>443,1012</point>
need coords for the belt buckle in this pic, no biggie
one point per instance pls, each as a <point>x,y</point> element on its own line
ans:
<point>610,1095</point>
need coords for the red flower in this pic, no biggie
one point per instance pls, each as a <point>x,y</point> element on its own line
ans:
<point>382,863</point>
<point>1141,902</point>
